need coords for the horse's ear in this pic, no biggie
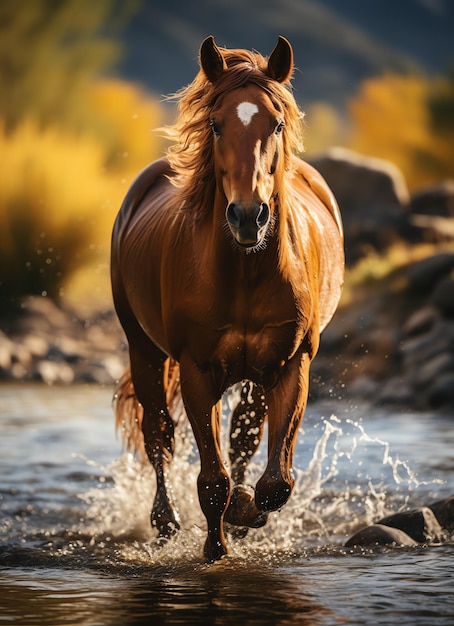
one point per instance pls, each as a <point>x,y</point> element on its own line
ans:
<point>280,63</point>
<point>211,59</point>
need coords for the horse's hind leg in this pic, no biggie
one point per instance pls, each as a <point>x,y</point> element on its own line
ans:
<point>246,430</point>
<point>147,371</point>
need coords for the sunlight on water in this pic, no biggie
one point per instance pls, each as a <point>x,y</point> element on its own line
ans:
<point>77,545</point>
<point>333,496</point>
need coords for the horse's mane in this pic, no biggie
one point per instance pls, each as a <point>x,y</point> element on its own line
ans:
<point>191,155</point>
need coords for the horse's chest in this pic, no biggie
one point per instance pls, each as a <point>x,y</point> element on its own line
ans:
<point>244,338</point>
<point>256,354</point>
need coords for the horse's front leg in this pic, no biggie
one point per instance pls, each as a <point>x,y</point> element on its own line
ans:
<point>286,404</point>
<point>201,398</point>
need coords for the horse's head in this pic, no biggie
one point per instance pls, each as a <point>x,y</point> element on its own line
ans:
<point>247,123</point>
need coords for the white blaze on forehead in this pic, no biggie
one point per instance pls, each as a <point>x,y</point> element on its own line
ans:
<point>246,111</point>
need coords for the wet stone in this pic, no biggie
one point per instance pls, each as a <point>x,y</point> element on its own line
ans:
<point>444,512</point>
<point>420,524</point>
<point>380,535</point>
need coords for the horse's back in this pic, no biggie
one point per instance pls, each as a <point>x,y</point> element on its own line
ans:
<point>141,186</point>
<point>137,242</point>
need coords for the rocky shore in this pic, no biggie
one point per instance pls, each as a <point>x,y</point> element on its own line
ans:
<point>392,341</point>
<point>394,344</point>
<point>52,344</point>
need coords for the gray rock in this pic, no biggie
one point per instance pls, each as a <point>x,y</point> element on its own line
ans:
<point>441,392</point>
<point>51,372</point>
<point>438,200</point>
<point>443,296</point>
<point>420,524</point>
<point>373,198</point>
<point>420,322</point>
<point>444,512</point>
<point>424,275</point>
<point>380,535</point>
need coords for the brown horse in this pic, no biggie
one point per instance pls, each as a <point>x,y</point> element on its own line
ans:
<point>227,263</point>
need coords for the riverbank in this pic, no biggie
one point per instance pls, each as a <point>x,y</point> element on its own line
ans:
<point>390,342</point>
<point>55,344</point>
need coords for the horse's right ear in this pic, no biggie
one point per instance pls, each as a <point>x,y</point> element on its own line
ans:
<point>211,60</point>
<point>280,63</point>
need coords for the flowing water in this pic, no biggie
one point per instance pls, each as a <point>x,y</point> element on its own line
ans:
<point>76,546</point>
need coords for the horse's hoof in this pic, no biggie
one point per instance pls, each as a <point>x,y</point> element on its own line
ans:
<point>237,532</point>
<point>271,494</point>
<point>166,527</point>
<point>242,510</point>
<point>214,551</point>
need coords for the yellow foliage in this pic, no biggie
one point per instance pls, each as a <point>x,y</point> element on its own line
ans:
<point>126,120</point>
<point>391,120</point>
<point>50,54</point>
<point>325,128</point>
<point>60,191</point>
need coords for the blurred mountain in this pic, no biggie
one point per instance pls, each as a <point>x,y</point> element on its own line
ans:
<point>337,43</point>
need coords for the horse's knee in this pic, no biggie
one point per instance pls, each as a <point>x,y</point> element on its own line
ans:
<point>272,492</point>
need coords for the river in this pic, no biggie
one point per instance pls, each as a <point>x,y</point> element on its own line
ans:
<point>76,546</point>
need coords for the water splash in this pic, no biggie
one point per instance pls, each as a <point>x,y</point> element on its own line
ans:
<point>344,479</point>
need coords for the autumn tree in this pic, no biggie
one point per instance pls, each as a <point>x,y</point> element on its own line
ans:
<point>50,51</point>
<point>404,119</point>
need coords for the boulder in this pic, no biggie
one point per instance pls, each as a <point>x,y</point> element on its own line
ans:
<point>430,524</point>
<point>423,275</point>
<point>437,200</point>
<point>442,296</point>
<point>432,212</point>
<point>420,524</point>
<point>380,535</point>
<point>444,512</point>
<point>372,196</point>
<point>441,393</point>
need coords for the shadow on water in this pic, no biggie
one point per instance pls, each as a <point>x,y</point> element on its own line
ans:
<point>390,587</point>
<point>223,594</point>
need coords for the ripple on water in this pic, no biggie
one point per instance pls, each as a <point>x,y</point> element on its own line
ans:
<point>77,546</point>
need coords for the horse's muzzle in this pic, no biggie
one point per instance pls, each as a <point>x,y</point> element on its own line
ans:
<point>248,226</point>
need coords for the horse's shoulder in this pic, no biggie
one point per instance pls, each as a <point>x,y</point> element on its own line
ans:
<point>318,185</point>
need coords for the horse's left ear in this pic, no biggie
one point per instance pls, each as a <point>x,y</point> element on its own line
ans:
<point>280,63</point>
<point>211,60</point>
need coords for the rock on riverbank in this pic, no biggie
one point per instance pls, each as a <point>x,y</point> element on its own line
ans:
<point>52,344</point>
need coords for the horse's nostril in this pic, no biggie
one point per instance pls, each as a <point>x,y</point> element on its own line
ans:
<point>235,215</point>
<point>263,215</point>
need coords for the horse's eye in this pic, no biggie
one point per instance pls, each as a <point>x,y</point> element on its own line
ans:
<point>215,128</point>
<point>279,128</point>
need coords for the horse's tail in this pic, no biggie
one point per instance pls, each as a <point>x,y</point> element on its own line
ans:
<point>129,411</point>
